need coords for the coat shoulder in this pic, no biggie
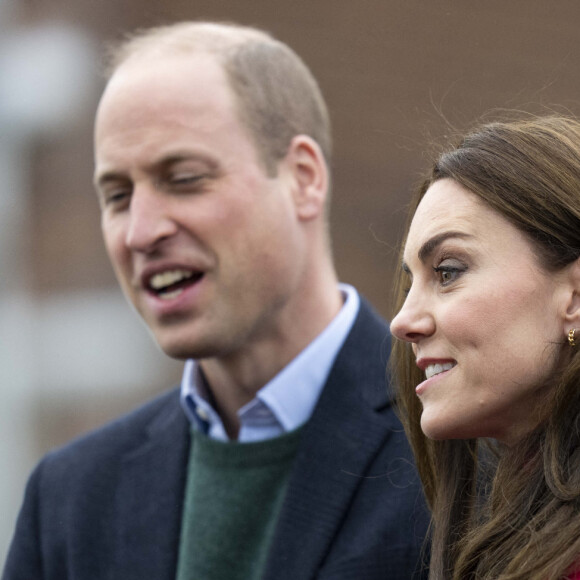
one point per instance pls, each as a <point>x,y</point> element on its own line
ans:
<point>109,443</point>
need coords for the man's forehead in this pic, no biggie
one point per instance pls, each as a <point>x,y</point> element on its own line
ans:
<point>156,62</point>
<point>164,82</point>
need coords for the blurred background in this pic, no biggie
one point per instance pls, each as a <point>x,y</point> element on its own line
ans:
<point>398,77</point>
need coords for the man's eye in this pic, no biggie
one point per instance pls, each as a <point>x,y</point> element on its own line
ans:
<point>116,197</point>
<point>185,179</point>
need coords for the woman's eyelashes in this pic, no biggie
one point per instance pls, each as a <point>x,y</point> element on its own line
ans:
<point>449,271</point>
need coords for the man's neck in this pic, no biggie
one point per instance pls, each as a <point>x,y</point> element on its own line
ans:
<point>235,380</point>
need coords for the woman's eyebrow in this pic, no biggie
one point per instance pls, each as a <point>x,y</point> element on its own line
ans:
<point>427,249</point>
<point>431,244</point>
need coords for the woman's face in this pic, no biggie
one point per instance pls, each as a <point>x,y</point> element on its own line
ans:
<point>486,320</point>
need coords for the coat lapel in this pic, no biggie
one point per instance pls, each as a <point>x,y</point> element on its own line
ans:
<point>339,443</point>
<point>150,498</point>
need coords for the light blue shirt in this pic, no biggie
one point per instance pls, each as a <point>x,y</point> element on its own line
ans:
<point>288,400</point>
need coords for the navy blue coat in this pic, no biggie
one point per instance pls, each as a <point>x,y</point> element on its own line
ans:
<point>108,505</point>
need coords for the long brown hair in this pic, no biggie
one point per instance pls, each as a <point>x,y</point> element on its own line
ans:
<point>498,512</point>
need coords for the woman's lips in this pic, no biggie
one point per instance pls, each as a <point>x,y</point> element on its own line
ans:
<point>433,369</point>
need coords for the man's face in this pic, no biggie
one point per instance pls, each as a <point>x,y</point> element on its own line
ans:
<point>205,245</point>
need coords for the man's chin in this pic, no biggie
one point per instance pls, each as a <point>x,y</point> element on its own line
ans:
<point>178,339</point>
<point>177,350</point>
<point>183,349</point>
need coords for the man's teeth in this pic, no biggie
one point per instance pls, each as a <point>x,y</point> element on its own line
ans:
<point>171,295</point>
<point>433,370</point>
<point>164,279</point>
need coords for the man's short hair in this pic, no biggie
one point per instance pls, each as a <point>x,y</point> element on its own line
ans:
<point>276,94</point>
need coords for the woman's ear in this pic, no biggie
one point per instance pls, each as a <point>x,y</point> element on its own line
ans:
<point>309,173</point>
<point>572,316</point>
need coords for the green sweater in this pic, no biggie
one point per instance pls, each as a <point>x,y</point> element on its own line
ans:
<point>233,496</point>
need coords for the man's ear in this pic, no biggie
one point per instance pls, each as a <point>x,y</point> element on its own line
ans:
<point>309,176</point>
<point>572,316</point>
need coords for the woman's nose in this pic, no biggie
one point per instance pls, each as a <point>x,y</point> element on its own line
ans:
<point>414,320</point>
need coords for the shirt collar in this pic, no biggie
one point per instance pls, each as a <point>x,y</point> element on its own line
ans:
<point>288,400</point>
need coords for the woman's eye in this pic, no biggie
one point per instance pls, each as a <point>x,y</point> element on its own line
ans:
<point>449,273</point>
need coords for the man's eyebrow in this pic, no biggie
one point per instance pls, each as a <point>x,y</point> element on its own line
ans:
<point>107,177</point>
<point>163,163</point>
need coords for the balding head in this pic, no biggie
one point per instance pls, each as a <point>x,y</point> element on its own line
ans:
<point>276,95</point>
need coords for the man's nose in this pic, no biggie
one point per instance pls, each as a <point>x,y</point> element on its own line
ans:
<point>150,221</point>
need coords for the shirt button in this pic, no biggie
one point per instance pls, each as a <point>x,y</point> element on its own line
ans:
<point>202,414</point>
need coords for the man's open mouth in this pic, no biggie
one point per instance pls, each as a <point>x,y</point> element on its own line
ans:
<point>171,283</point>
